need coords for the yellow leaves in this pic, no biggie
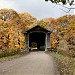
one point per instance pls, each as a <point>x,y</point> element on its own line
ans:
<point>54,43</point>
<point>1,22</point>
<point>12,30</point>
<point>27,20</point>
<point>17,46</point>
<point>66,36</point>
<point>22,46</point>
<point>4,39</point>
<point>22,38</point>
<point>71,26</point>
<point>53,40</point>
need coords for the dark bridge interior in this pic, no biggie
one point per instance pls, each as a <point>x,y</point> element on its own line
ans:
<point>37,40</point>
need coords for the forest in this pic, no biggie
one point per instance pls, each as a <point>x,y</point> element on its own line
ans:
<point>13,24</point>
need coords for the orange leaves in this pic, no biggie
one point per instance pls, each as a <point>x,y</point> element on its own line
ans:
<point>27,20</point>
<point>1,22</point>
<point>21,40</point>
<point>10,25</point>
<point>53,39</point>
<point>13,24</point>
<point>44,23</point>
<point>67,35</point>
<point>10,22</point>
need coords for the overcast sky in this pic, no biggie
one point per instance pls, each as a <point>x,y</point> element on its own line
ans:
<point>38,8</point>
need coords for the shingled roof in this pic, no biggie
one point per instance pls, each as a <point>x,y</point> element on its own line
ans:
<point>36,27</point>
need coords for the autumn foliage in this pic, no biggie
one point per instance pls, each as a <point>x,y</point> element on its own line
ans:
<point>13,24</point>
<point>11,37</point>
<point>67,35</point>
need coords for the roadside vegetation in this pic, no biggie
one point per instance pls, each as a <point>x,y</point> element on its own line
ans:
<point>8,58</point>
<point>65,64</point>
<point>13,56</point>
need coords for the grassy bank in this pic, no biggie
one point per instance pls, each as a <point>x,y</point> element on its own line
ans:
<point>8,58</point>
<point>66,65</point>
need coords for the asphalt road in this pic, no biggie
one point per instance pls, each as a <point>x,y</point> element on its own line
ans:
<point>35,63</point>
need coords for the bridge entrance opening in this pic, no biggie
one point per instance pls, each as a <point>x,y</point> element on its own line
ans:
<point>37,40</point>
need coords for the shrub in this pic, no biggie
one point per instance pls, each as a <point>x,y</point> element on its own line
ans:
<point>66,49</point>
<point>62,47</point>
<point>66,65</point>
<point>9,52</point>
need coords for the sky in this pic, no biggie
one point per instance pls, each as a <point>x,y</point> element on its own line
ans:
<point>74,9</point>
<point>38,8</point>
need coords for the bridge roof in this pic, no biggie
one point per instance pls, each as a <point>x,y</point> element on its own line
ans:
<point>37,28</point>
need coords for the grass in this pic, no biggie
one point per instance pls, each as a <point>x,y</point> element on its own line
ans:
<point>8,58</point>
<point>66,65</point>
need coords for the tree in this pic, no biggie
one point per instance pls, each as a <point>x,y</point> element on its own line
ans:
<point>66,35</point>
<point>62,1</point>
<point>27,19</point>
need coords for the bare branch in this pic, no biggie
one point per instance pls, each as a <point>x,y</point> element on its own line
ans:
<point>64,2</point>
<point>69,8</point>
<point>66,11</point>
<point>54,6</point>
<point>66,7</point>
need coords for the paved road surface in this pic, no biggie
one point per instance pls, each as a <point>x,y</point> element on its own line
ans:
<point>35,63</point>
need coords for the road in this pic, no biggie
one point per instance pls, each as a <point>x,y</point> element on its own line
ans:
<point>35,63</point>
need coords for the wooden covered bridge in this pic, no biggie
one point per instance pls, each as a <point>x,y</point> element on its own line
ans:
<point>38,37</point>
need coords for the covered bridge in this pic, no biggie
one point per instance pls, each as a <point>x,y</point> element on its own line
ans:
<point>38,37</point>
